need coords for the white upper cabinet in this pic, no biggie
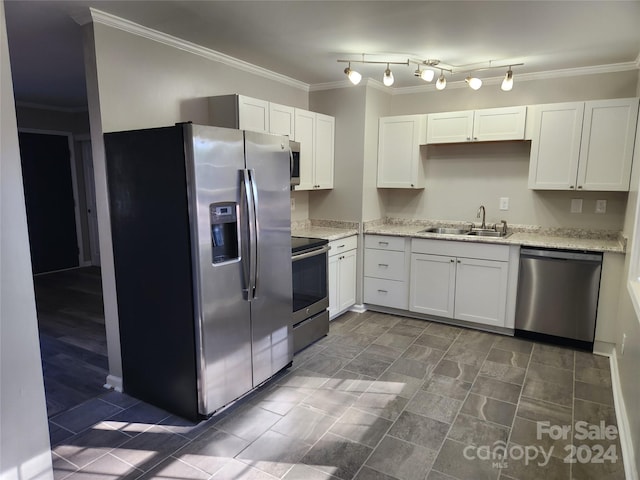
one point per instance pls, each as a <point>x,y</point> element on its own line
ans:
<point>583,145</point>
<point>316,133</point>
<point>399,161</point>
<point>487,125</point>
<point>282,120</point>
<point>253,114</point>
<point>450,127</point>
<point>497,124</point>
<point>606,149</point>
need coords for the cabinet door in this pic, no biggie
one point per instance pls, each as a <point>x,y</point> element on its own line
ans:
<point>324,155</point>
<point>399,162</point>
<point>432,284</point>
<point>253,113</point>
<point>606,151</point>
<point>555,146</point>
<point>481,291</point>
<point>281,120</point>
<point>494,124</point>
<point>334,281</point>
<point>304,133</point>
<point>347,280</point>
<point>450,127</point>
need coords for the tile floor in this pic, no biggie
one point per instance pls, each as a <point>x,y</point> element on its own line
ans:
<point>380,398</point>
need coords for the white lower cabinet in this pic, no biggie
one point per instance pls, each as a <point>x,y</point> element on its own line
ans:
<point>458,280</point>
<point>386,271</point>
<point>342,275</point>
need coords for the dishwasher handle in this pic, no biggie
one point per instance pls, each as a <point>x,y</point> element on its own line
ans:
<point>561,255</point>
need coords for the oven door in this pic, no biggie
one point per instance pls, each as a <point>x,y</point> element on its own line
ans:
<point>310,283</point>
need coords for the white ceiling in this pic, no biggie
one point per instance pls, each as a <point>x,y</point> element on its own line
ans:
<point>303,39</point>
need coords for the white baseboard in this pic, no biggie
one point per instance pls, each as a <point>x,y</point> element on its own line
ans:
<point>624,429</point>
<point>358,308</point>
<point>114,383</point>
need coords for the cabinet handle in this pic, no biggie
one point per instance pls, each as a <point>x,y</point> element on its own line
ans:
<point>458,261</point>
<point>579,187</point>
<point>468,138</point>
<point>341,246</point>
<point>475,138</point>
<point>412,184</point>
<point>383,265</point>
<point>452,260</point>
<point>382,291</point>
<point>571,186</point>
<point>383,243</point>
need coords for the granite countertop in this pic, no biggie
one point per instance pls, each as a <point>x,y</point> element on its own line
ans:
<point>330,230</point>
<point>576,239</point>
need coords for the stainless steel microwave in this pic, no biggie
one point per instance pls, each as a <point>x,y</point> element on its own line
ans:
<point>294,152</point>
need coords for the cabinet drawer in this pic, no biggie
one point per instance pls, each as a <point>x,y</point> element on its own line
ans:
<point>384,242</point>
<point>381,264</point>
<point>343,245</point>
<point>386,293</point>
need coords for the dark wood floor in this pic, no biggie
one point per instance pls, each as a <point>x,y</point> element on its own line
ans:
<point>72,336</point>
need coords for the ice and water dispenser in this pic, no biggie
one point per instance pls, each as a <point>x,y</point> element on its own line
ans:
<point>224,231</point>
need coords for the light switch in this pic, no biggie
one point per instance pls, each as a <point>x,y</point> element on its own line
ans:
<point>504,203</point>
<point>576,205</point>
<point>601,206</point>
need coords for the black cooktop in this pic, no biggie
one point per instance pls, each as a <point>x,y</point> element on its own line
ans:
<point>299,244</point>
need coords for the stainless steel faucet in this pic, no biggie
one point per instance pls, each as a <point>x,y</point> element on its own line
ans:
<point>481,209</point>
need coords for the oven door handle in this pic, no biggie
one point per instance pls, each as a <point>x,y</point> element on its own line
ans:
<point>312,253</point>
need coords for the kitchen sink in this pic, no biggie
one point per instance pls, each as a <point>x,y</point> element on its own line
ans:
<point>465,231</point>
<point>447,231</point>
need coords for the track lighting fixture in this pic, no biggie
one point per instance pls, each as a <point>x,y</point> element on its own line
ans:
<point>473,82</point>
<point>507,83</point>
<point>442,82</point>
<point>387,79</point>
<point>428,74</point>
<point>354,76</point>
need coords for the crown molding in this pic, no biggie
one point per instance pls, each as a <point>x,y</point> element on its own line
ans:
<point>53,108</point>
<point>103,18</point>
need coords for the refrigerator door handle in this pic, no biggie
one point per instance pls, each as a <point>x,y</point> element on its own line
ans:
<point>249,263</point>
<point>255,237</point>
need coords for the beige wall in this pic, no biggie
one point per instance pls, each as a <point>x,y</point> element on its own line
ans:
<point>144,83</point>
<point>344,201</point>
<point>24,434</point>
<point>378,105</point>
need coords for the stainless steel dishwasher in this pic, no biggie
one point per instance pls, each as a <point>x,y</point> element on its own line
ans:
<point>558,296</point>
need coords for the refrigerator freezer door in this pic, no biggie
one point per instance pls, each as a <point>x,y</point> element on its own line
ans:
<point>267,159</point>
<point>215,157</point>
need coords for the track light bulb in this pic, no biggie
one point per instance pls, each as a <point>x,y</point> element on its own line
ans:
<point>507,83</point>
<point>473,82</point>
<point>442,82</point>
<point>354,76</point>
<point>427,75</point>
<point>387,79</point>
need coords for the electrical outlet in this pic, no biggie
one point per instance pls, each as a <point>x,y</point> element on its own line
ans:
<point>624,339</point>
<point>576,205</point>
<point>601,206</point>
<point>293,204</point>
<point>504,203</point>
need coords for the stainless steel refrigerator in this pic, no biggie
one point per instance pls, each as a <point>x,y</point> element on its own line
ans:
<point>201,229</point>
